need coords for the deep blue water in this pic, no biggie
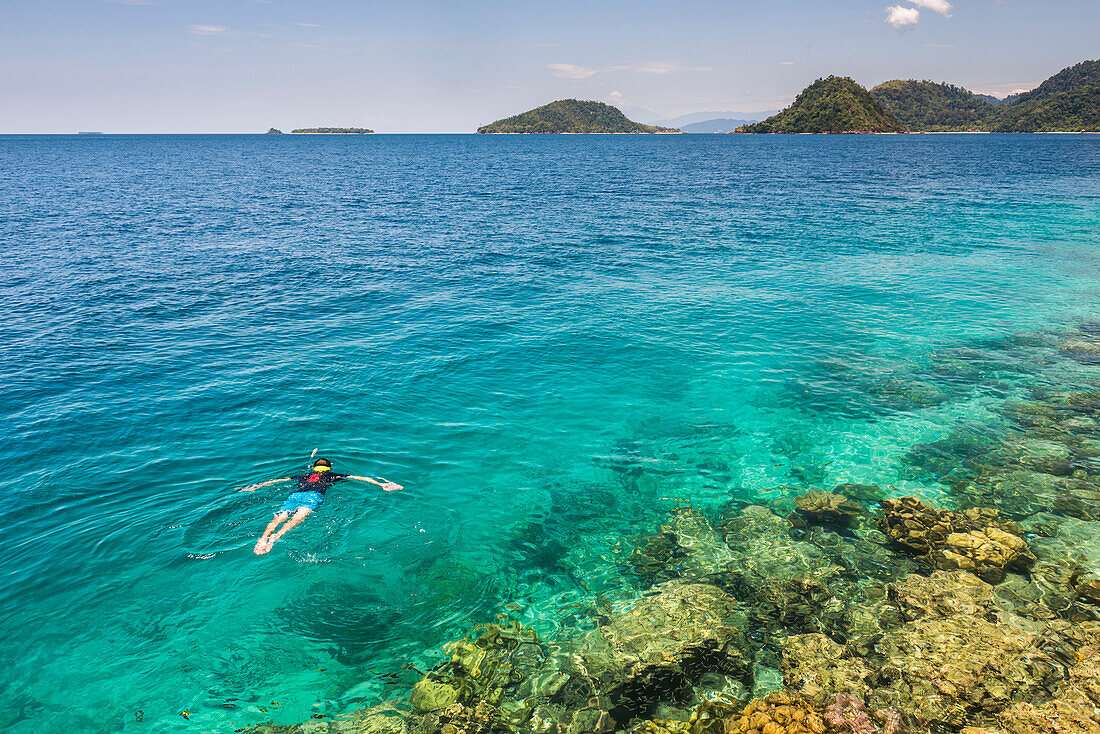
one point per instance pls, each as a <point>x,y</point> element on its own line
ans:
<point>547,340</point>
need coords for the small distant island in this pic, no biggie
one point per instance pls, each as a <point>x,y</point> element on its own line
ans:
<point>1069,101</point>
<point>273,131</point>
<point>571,116</point>
<point>331,131</point>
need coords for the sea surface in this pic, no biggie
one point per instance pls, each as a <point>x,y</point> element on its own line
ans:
<point>550,341</point>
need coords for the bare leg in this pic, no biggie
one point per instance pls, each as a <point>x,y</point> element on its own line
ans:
<point>263,545</point>
<point>300,514</point>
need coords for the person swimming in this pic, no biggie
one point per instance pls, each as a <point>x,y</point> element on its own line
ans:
<point>306,497</point>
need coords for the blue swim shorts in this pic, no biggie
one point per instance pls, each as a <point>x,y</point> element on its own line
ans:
<point>312,500</point>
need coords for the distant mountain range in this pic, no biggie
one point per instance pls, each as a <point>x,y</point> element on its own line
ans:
<point>697,117</point>
<point>572,116</point>
<point>719,125</point>
<point>1069,101</point>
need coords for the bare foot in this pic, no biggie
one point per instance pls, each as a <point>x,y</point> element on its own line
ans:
<point>263,545</point>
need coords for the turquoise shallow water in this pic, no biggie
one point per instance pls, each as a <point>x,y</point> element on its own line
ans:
<point>548,340</point>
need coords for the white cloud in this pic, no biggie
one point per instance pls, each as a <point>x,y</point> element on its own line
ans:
<point>900,17</point>
<point>658,67</point>
<point>209,30</point>
<point>786,63</point>
<point>571,71</point>
<point>307,25</point>
<point>936,6</point>
<point>616,99</point>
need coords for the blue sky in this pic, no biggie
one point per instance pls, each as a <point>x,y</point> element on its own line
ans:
<point>436,66</point>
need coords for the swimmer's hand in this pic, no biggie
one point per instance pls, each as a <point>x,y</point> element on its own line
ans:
<point>385,484</point>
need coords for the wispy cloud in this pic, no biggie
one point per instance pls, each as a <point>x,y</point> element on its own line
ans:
<point>936,6</point>
<point>571,71</point>
<point>220,31</point>
<point>658,67</point>
<point>786,63</point>
<point>616,99</point>
<point>902,17</point>
<point>132,2</point>
<point>661,68</point>
<point>209,30</point>
<point>307,25</point>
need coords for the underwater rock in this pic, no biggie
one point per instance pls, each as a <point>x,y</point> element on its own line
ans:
<point>381,719</point>
<point>655,646</point>
<point>815,666</point>
<point>819,506</point>
<point>481,718</point>
<point>656,557</point>
<point>987,551</point>
<point>860,492</point>
<point>975,540</point>
<point>427,695</point>
<point>1021,492</point>
<point>1053,717</point>
<point>943,594</point>
<point>778,713</point>
<point>1083,349</point>
<point>1088,589</point>
<point>686,546</point>
<point>846,714</point>
<point>1049,457</point>
<point>496,664</point>
<point>705,552</point>
<point>765,552</point>
<point>706,718</point>
<point>940,671</point>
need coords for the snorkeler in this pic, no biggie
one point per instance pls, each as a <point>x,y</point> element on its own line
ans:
<point>306,498</point>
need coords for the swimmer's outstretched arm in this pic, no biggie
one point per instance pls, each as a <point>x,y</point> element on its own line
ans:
<point>384,484</point>
<point>254,487</point>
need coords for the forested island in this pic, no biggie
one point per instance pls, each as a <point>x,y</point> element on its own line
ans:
<point>332,131</point>
<point>835,104</point>
<point>1069,101</point>
<point>571,116</point>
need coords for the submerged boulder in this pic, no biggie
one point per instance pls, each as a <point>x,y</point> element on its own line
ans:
<point>655,646</point>
<point>816,667</point>
<point>820,507</point>
<point>941,670</point>
<point>976,540</point>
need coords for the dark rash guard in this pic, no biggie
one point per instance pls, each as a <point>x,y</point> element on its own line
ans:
<point>317,481</point>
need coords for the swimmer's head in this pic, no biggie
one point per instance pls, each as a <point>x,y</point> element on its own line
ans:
<point>322,465</point>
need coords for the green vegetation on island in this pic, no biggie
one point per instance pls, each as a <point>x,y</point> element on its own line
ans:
<point>928,106</point>
<point>572,116</point>
<point>1069,101</point>
<point>273,131</point>
<point>831,105</point>
<point>332,131</point>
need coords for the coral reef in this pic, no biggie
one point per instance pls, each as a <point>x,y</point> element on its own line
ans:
<point>777,713</point>
<point>846,714</point>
